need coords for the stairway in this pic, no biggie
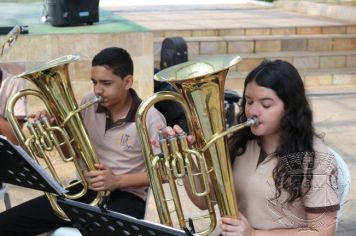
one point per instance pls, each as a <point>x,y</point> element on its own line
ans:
<point>324,56</point>
<point>322,48</point>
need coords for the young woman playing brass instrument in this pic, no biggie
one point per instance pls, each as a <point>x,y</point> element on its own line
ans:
<point>284,176</point>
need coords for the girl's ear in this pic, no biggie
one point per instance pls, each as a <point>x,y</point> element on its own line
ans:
<point>127,81</point>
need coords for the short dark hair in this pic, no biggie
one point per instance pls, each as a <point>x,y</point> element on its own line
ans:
<point>117,59</point>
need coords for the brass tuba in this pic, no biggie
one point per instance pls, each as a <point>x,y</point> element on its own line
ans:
<point>200,86</point>
<point>67,136</point>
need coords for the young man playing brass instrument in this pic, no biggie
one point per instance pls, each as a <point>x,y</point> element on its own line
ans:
<point>112,130</point>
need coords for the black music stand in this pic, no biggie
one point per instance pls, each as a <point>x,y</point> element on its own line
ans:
<point>90,220</point>
<point>18,168</point>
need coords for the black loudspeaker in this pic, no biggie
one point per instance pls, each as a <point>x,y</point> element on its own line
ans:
<point>72,12</point>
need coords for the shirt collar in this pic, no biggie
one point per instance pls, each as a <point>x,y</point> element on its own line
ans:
<point>263,157</point>
<point>131,115</point>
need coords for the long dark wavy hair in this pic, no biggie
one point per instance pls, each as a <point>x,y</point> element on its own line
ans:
<point>296,126</point>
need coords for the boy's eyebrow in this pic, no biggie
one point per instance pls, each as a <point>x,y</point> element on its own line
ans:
<point>100,80</point>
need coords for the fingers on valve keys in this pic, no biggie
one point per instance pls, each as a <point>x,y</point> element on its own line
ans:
<point>40,116</point>
<point>169,133</point>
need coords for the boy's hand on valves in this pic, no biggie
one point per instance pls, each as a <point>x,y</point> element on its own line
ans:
<point>41,114</point>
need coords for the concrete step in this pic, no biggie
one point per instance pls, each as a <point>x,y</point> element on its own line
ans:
<point>318,68</point>
<point>264,43</point>
<point>347,28</point>
<point>302,60</point>
<point>312,78</point>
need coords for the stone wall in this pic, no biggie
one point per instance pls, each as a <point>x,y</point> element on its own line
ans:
<point>340,11</point>
<point>33,50</point>
<point>339,2</point>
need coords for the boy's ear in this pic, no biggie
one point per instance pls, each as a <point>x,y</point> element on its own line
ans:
<point>128,80</point>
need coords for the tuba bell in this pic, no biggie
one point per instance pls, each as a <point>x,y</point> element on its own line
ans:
<point>200,92</point>
<point>66,137</point>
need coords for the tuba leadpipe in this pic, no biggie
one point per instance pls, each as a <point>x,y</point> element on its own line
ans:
<point>200,91</point>
<point>67,136</point>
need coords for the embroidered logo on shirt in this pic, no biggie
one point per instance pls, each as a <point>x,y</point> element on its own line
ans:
<point>126,141</point>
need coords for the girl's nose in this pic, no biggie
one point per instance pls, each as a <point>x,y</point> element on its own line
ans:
<point>252,111</point>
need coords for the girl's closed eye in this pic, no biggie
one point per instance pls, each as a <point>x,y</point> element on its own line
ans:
<point>267,102</point>
<point>266,105</point>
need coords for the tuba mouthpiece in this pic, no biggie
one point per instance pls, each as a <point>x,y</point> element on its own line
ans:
<point>97,99</point>
<point>252,121</point>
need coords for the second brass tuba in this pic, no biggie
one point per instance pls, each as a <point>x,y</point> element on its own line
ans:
<point>67,136</point>
<point>200,91</point>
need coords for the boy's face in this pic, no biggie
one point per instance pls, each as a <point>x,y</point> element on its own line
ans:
<point>109,86</point>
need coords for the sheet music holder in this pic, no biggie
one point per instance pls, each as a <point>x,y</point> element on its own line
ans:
<point>18,168</point>
<point>90,220</point>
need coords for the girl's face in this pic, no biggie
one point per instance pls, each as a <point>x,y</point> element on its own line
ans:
<point>264,103</point>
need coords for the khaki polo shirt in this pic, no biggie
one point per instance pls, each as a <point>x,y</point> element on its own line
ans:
<point>117,144</point>
<point>255,190</point>
<point>10,86</point>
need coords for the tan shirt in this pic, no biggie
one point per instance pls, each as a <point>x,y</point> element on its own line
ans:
<point>118,145</point>
<point>255,189</point>
<point>10,86</point>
